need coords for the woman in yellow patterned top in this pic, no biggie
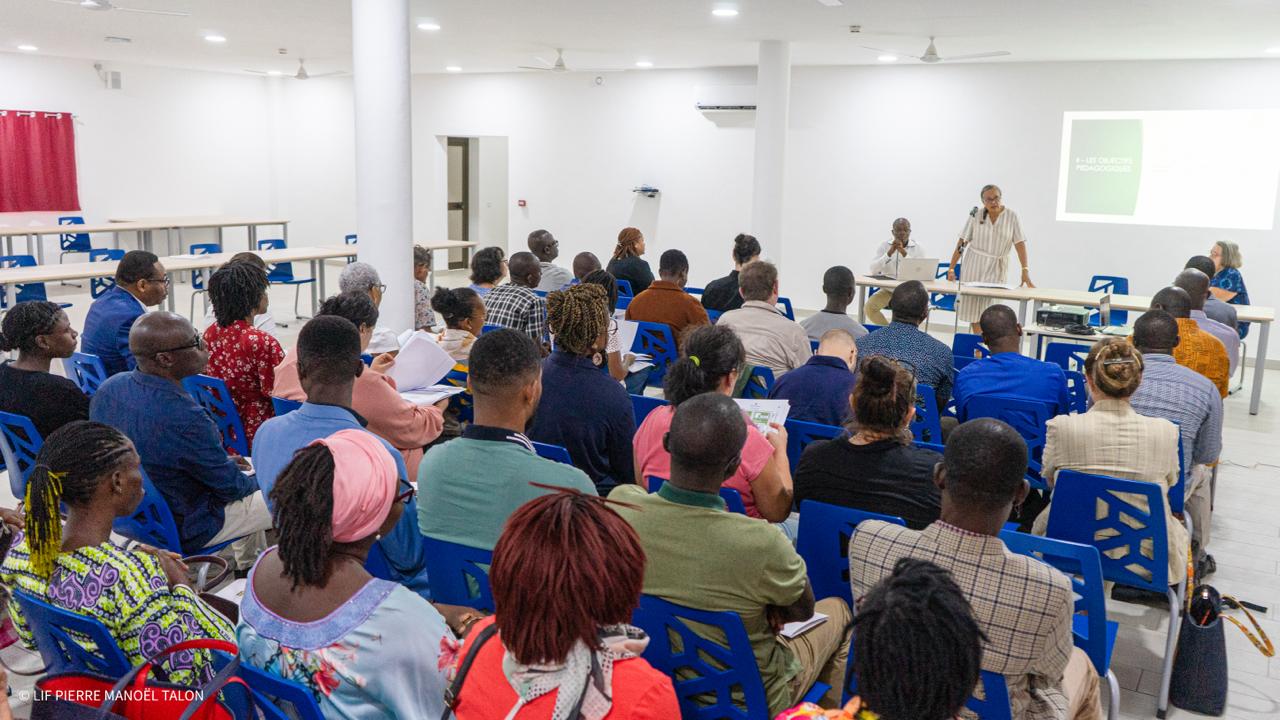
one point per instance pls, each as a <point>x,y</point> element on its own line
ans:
<point>140,595</point>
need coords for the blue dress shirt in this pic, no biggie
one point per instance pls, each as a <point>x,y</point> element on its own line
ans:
<point>106,329</point>
<point>925,356</point>
<point>818,391</point>
<point>1013,375</point>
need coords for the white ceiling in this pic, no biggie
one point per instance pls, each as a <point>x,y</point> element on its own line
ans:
<point>498,35</point>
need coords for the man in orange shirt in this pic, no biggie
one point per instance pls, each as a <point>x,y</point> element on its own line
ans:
<point>666,301</point>
<point>1197,349</point>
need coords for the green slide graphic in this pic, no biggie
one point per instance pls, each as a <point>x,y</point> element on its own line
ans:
<point>1105,167</point>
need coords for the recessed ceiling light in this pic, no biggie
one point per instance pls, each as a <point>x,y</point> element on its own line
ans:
<point>725,12</point>
<point>1274,50</point>
<point>832,3</point>
<point>28,48</point>
<point>274,73</point>
<point>215,38</point>
<point>453,68</point>
<point>644,64</point>
<point>888,58</point>
<point>90,3</point>
<point>429,25</point>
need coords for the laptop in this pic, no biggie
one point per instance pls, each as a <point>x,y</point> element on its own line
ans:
<point>922,269</point>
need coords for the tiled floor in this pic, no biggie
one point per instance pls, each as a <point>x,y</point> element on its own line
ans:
<point>1245,542</point>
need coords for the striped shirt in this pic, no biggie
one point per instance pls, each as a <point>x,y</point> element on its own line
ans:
<point>986,256</point>
<point>1187,398</point>
<point>1203,353</point>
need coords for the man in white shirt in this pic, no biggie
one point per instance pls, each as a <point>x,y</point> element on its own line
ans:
<point>546,248</point>
<point>885,262</point>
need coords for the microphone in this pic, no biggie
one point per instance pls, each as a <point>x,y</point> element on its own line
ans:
<point>974,211</point>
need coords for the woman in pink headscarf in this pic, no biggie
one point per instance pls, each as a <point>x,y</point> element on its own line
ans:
<point>312,614</point>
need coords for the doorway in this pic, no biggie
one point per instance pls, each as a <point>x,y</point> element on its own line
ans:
<point>458,200</point>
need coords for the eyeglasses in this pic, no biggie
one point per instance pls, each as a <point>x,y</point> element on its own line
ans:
<point>381,288</point>
<point>407,491</point>
<point>197,342</point>
<point>163,280</point>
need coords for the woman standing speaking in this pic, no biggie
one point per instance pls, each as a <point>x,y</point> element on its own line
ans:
<point>988,235</point>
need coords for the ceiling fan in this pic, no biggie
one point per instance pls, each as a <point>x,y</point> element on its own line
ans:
<point>931,54</point>
<point>302,73</point>
<point>104,5</point>
<point>558,66</point>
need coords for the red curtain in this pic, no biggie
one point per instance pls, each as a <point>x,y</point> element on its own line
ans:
<point>37,162</point>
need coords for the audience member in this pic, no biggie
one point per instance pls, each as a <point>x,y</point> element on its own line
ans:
<point>142,596</point>
<point>771,339</point>
<point>424,317</point>
<point>546,248</point>
<point>243,356</point>
<point>928,358</point>
<point>917,618</point>
<point>819,390</point>
<point>1009,373</point>
<point>741,566</point>
<point>141,283</point>
<point>1187,399</point>
<point>627,264</point>
<point>587,566</point>
<point>619,358</point>
<point>463,313</point>
<point>582,409</point>
<point>1228,283</point>
<point>1196,284</point>
<point>313,615</point>
<point>264,322</point>
<point>837,284</point>
<point>359,277</point>
<point>471,485</point>
<point>1223,312</point>
<point>210,496</point>
<point>1114,440</point>
<point>885,264</point>
<point>721,294</point>
<point>878,468</point>
<point>515,305</point>
<point>1196,348</point>
<point>327,365</point>
<point>709,363</point>
<point>585,263</point>
<point>407,426</point>
<point>40,332</point>
<point>1027,631</point>
<point>666,301</point>
<point>488,268</point>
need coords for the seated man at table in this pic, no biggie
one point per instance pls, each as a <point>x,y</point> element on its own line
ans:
<point>1196,348</point>
<point>328,365</point>
<point>1196,284</point>
<point>1009,373</point>
<point>772,339</point>
<point>838,286</point>
<point>702,556</point>
<point>141,283</point>
<point>819,390</point>
<point>1223,312</point>
<point>208,492</point>
<point>665,300</point>
<point>928,358</point>
<point>467,487</point>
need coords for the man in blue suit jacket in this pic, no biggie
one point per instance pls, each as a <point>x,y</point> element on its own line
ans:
<point>140,283</point>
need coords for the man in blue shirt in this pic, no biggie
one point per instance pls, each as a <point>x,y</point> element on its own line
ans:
<point>1008,373</point>
<point>928,358</point>
<point>328,365</point>
<point>211,498</point>
<point>819,390</point>
<point>141,282</point>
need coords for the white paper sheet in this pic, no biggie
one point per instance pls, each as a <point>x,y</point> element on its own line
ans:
<point>420,364</point>
<point>233,591</point>
<point>763,412</point>
<point>627,331</point>
<point>431,395</point>
<point>641,362</point>
<point>1000,286</point>
<point>800,627</point>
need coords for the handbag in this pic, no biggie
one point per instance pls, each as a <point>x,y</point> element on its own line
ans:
<point>455,687</point>
<point>89,696</point>
<point>1199,679</point>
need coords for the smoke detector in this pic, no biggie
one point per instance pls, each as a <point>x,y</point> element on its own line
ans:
<point>855,29</point>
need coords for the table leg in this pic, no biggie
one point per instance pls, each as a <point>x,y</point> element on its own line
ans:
<point>1259,367</point>
<point>115,240</point>
<point>168,242</point>
<point>253,238</point>
<point>219,239</point>
<point>8,245</point>
<point>862,304</point>
<point>320,282</point>
<point>39,249</point>
<point>170,302</point>
<point>10,294</point>
<point>317,267</point>
<point>284,232</point>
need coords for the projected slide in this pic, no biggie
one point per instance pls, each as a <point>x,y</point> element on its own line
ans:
<point>1190,168</point>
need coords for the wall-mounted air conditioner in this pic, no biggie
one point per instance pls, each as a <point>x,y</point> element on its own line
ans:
<point>725,98</point>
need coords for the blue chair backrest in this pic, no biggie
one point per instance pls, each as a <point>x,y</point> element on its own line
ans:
<point>801,433</point>
<point>553,452</point>
<point>283,406</point>
<point>717,669</point>
<point>943,301</point>
<point>656,339</point>
<point>813,345</point>
<point>624,288</point>
<point>926,425</point>
<point>99,285</point>
<point>20,443</point>
<point>1068,356</point>
<point>624,302</point>
<point>152,522</point>
<point>1083,567</point>
<point>642,405</point>
<point>962,361</point>
<point>215,398</point>
<point>1077,391</point>
<point>871,327</point>
<point>56,630</point>
<point>694,290</point>
<point>278,272</point>
<point>488,327</point>
<point>969,345</point>
<point>197,276</point>
<point>786,308</point>
<point>1178,493</point>
<point>1078,499</point>
<point>459,574</point>
<point>25,291</point>
<point>86,370</point>
<point>993,705</point>
<point>350,239</point>
<point>759,383</point>
<point>73,241</point>
<point>732,498</point>
<point>714,315</point>
<point>1028,417</point>
<point>823,542</point>
<point>277,698</point>
<point>1115,285</point>
<point>462,403</point>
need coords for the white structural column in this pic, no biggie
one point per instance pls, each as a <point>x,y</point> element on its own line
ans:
<point>384,176</point>
<point>773,101</point>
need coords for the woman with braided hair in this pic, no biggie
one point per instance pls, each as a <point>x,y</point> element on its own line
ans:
<point>583,409</point>
<point>240,354</point>
<point>40,332</point>
<point>141,595</point>
<point>627,263</point>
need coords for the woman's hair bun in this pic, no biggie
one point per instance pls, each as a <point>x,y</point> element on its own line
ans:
<point>880,375</point>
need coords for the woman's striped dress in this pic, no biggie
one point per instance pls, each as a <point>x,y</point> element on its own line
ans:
<point>986,259</point>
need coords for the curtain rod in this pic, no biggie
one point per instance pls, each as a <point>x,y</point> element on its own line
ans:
<point>33,113</point>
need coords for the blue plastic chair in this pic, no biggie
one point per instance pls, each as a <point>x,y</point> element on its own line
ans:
<point>86,370</point>
<point>277,698</point>
<point>968,345</point>
<point>962,361</point>
<point>1068,356</point>
<point>73,242</point>
<point>695,290</point>
<point>1077,391</point>
<point>20,443</point>
<point>786,308</point>
<point>732,498</point>
<point>759,383</point>
<point>943,301</point>
<point>800,434</point>
<point>215,398</point>
<point>282,273</point>
<point>624,288</point>
<point>656,339</point>
<point>1115,285</point>
<point>459,574</point>
<point>1078,499</point>
<point>488,327</point>
<point>823,542</point>
<point>624,302</point>
<point>718,670</point>
<point>462,403</point>
<point>283,406</point>
<point>927,424</point>
<point>99,285</point>
<point>1028,417</point>
<point>351,239</point>
<point>198,278</point>
<point>993,705</point>
<point>714,315</point>
<point>642,405</point>
<point>813,346</point>
<point>55,631</point>
<point>871,327</point>
<point>553,452</point>
<point>1092,631</point>
<point>24,291</point>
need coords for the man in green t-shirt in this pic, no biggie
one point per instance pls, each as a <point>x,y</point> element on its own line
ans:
<point>701,556</point>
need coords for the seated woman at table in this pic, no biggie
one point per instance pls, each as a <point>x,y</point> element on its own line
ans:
<point>1228,283</point>
<point>40,332</point>
<point>142,596</point>
<point>463,313</point>
<point>263,321</point>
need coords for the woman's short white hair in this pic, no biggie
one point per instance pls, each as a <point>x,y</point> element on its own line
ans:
<point>358,277</point>
<point>1231,257</point>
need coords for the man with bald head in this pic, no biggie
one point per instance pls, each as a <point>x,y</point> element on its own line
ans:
<point>515,305</point>
<point>819,390</point>
<point>546,248</point>
<point>208,492</point>
<point>1196,349</point>
<point>1196,283</point>
<point>1009,373</point>
<point>886,262</point>
<point>585,263</point>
